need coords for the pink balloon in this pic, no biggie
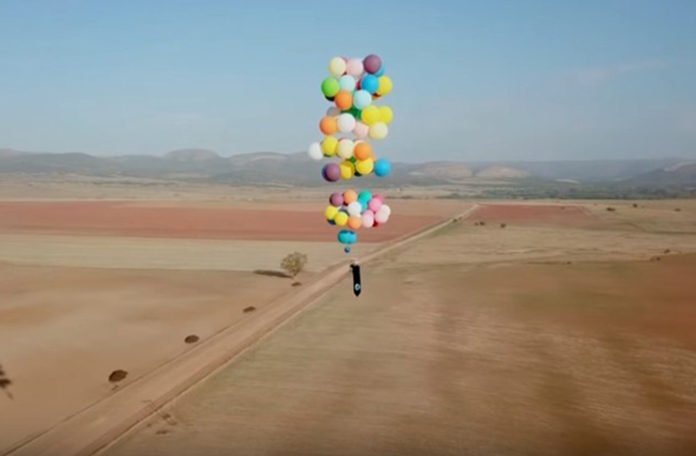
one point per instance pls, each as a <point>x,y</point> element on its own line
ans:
<point>378,196</point>
<point>368,219</point>
<point>361,130</point>
<point>374,204</point>
<point>354,67</point>
<point>381,217</point>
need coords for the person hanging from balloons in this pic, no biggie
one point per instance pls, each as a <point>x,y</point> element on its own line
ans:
<point>353,87</point>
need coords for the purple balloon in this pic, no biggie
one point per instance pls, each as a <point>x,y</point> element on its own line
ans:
<point>331,172</point>
<point>372,63</point>
<point>336,199</point>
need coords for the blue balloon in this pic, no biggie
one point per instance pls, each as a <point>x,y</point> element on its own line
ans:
<point>369,83</point>
<point>346,249</point>
<point>380,72</point>
<point>365,196</point>
<point>382,167</point>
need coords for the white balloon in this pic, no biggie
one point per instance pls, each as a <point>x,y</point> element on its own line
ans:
<point>315,152</point>
<point>337,66</point>
<point>346,123</point>
<point>381,217</point>
<point>379,130</point>
<point>347,82</point>
<point>386,209</point>
<point>354,209</point>
<point>345,148</point>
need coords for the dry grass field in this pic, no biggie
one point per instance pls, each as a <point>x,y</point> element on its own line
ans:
<point>548,336</point>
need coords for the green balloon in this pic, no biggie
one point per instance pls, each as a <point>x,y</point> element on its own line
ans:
<point>356,113</point>
<point>330,87</point>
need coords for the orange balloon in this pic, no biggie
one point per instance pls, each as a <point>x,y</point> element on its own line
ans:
<point>354,222</point>
<point>328,125</point>
<point>349,196</point>
<point>363,151</point>
<point>343,100</point>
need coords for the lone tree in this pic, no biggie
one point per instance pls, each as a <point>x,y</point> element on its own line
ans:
<point>294,263</point>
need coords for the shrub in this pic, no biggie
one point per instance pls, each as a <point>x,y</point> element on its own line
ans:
<point>294,263</point>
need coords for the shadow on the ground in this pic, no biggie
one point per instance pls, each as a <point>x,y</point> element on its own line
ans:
<point>270,273</point>
<point>5,383</point>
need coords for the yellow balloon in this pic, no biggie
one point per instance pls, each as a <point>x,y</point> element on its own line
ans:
<point>341,219</point>
<point>386,114</point>
<point>370,115</point>
<point>329,146</point>
<point>378,130</point>
<point>365,167</point>
<point>385,85</point>
<point>347,169</point>
<point>330,212</point>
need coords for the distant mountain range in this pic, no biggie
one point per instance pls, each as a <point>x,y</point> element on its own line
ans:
<point>297,169</point>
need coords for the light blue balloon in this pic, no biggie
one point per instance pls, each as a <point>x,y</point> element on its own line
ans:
<point>364,197</point>
<point>380,72</point>
<point>382,167</point>
<point>362,99</point>
<point>370,83</point>
<point>347,82</point>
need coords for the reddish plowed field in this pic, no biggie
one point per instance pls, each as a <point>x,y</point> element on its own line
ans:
<point>123,219</point>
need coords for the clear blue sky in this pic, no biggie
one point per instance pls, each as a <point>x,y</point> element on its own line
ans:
<point>488,80</point>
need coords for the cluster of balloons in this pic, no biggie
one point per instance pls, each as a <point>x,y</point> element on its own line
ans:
<point>353,87</point>
<point>355,210</point>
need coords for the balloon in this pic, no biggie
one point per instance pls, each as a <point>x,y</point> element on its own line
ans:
<point>330,87</point>
<point>374,204</point>
<point>336,199</point>
<point>380,72</point>
<point>346,249</point>
<point>329,146</point>
<point>368,219</point>
<point>386,209</point>
<point>386,114</point>
<point>347,237</point>
<point>354,208</point>
<point>347,83</point>
<point>349,196</point>
<point>347,171</point>
<point>328,125</point>
<point>362,99</point>
<point>369,83</point>
<point>379,130</point>
<point>315,152</point>
<point>331,172</point>
<point>345,123</point>
<point>372,63</point>
<point>354,222</point>
<point>333,111</point>
<point>330,212</point>
<point>354,67</point>
<point>370,115</point>
<point>364,197</point>
<point>385,85</point>
<point>365,167</point>
<point>363,151</point>
<point>344,100</point>
<point>345,148</point>
<point>382,167</point>
<point>361,130</point>
<point>380,216</point>
<point>341,218</point>
<point>337,66</point>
